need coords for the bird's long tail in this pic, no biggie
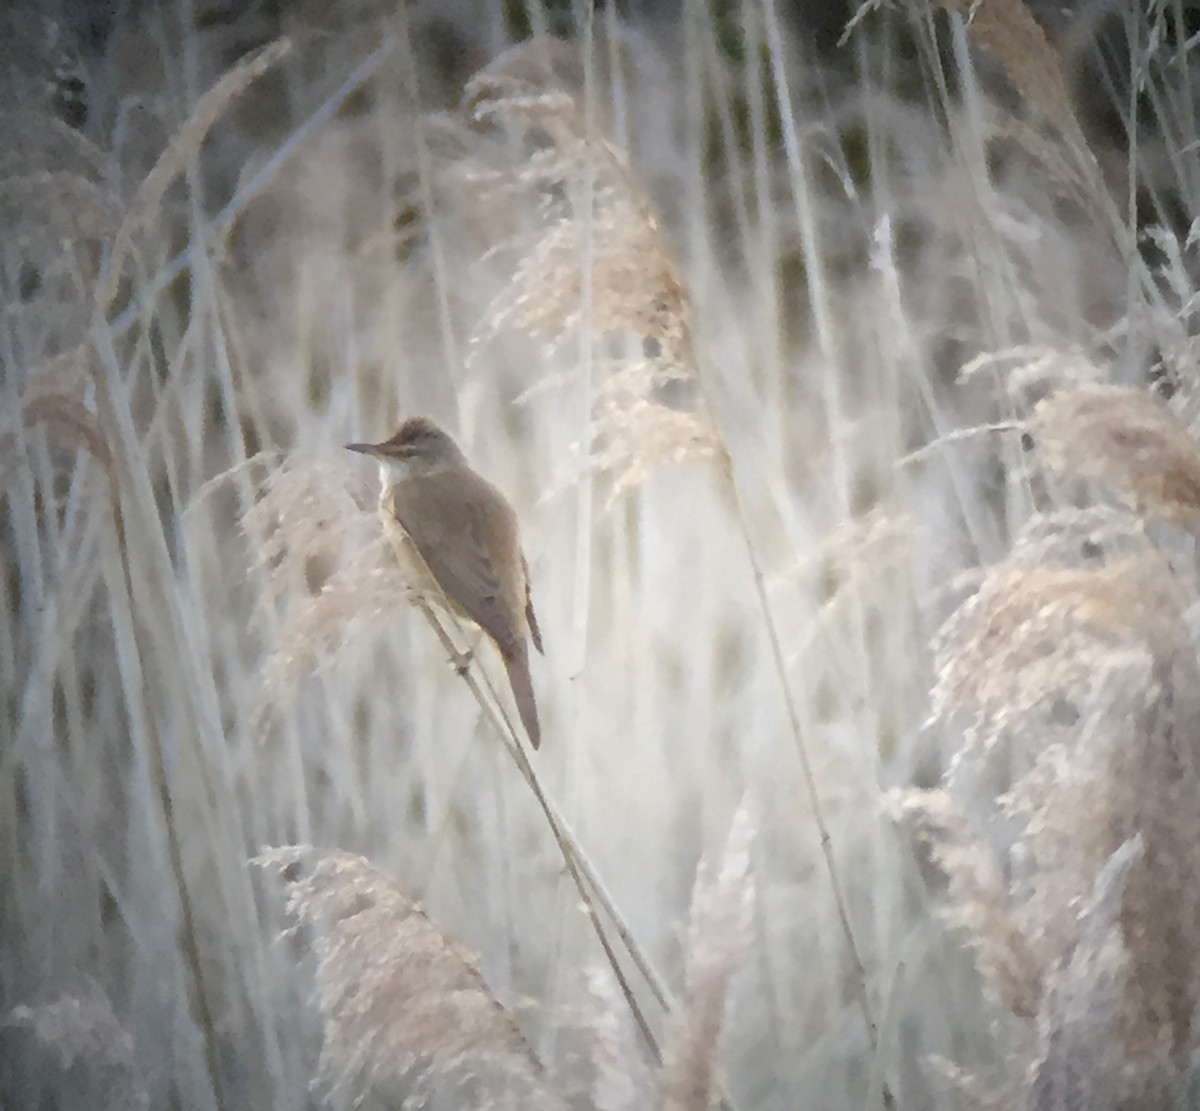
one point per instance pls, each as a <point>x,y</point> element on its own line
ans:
<point>517,665</point>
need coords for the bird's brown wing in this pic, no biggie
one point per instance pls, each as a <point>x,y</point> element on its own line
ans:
<point>535,633</point>
<point>467,534</point>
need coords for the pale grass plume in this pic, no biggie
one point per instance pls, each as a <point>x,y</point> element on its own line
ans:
<point>1078,598</point>
<point>596,264</point>
<point>1031,372</point>
<point>323,559</point>
<point>856,552</point>
<point>856,571</point>
<point>1128,767</point>
<point>720,933</point>
<point>1127,441</point>
<point>980,898</point>
<point>82,1031</point>
<point>1074,1066</point>
<point>1028,636</point>
<point>971,1093</point>
<point>1150,788</point>
<point>1078,650</point>
<point>407,1017</point>
<point>592,210</point>
<point>620,1079</point>
<point>634,436</point>
<point>1065,1061</point>
<point>1086,537</point>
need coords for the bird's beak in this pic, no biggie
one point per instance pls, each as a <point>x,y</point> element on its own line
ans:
<point>365,449</point>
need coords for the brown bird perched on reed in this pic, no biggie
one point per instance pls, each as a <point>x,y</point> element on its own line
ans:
<point>467,537</point>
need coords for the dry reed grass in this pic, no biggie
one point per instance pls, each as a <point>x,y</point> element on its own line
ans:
<point>1077,652</point>
<point>407,1014</point>
<point>595,271</point>
<point>1127,441</point>
<point>323,559</point>
<point>399,999</point>
<point>134,687</point>
<point>719,933</point>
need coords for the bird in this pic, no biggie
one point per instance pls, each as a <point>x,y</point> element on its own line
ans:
<point>468,539</point>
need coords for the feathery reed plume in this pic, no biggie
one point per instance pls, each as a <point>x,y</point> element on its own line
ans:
<point>1079,538</point>
<point>620,1079</point>
<point>1031,373</point>
<point>323,555</point>
<point>1149,786</point>
<point>597,263</point>
<point>636,436</point>
<point>1128,441</point>
<point>82,1029</point>
<point>719,934</point>
<point>406,1012</point>
<point>1074,1066</point>
<point>1081,648</point>
<point>971,1092</point>
<point>1070,1063</point>
<point>854,554</point>
<point>1032,634</point>
<point>1051,621</point>
<point>980,898</point>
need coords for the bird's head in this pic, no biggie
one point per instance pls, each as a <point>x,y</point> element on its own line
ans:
<point>418,447</point>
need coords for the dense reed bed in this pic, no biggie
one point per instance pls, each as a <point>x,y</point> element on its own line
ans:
<point>846,393</point>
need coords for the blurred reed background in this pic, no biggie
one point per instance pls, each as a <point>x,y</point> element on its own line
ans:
<point>839,365</point>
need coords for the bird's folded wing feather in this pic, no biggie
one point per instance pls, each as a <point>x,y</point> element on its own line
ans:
<point>465,531</point>
<point>530,617</point>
